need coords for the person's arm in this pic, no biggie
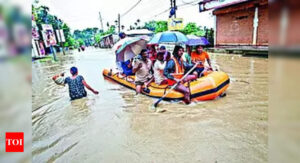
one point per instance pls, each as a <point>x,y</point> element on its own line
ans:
<point>168,69</point>
<point>135,69</point>
<point>130,64</point>
<point>56,76</point>
<point>89,87</point>
<point>208,60</point>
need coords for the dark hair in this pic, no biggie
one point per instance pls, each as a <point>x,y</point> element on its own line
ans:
<point>176,49</point>
<point>198,46</point>
<point>160,53</point>
<point>73,70</point>
<point>143,51</point>
<point>162,48</point>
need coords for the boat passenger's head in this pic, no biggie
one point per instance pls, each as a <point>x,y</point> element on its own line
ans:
<point>160,56</point>
<point>74,71</point>
<point>143,54</point>
<point>199,49</point>
<point>162,48</point>
<point>188,49</point>
<point>178,51</point>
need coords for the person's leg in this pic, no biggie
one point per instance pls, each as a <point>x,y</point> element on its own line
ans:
<point>189,78</point>
<point>199,71</point>
<point>138,89</point>
<point>148,82</point>
<point>181,88</point>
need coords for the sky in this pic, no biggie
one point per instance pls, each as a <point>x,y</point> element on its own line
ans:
<point>80,14</point>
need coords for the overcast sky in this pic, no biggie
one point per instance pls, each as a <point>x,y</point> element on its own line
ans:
<point>80,14</point>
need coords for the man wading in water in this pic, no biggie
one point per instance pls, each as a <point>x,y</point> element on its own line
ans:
<point>76,84</point>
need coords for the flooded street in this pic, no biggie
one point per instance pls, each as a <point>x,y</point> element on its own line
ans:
<point>118,126</point>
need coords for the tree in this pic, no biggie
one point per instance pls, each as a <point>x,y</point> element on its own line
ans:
<point>161,26</point>
<point>135,24</point>
<point>138,23</point>
<point>191,28</point>
<point>150,25</point>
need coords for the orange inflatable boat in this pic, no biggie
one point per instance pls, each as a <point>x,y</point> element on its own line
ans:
<point>207,87</point>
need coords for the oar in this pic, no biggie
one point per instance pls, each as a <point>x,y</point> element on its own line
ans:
<point>174,86</point>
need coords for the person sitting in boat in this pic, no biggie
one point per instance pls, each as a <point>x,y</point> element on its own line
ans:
<point>158,69</point>
<point>167,55</point>
<point>152,53</point>
<point>141,67</point>
<point>187,58</point>
<point>127,67</point>
<point>200,56</point>
<point>174,70</point>
<point>76,84</point>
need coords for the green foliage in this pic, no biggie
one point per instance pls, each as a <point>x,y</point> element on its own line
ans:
<point>192,29</point>
<point>80,41</point>
<point>70,41</point>
<point>98,37</point>
<point>150,25</point>
<point>161,26</point>
<point>42,16</point>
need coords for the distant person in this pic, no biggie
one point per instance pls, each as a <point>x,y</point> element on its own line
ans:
<point>127,67</point>
<point>141,68</point>
<point>200,56</point>
<point>158,69</point>
<point>122,35</point>
<point>76,84</point>
<point>174,71</point>
<point>167,55</point>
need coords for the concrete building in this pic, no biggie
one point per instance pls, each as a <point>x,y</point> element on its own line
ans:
<point>242,24</point>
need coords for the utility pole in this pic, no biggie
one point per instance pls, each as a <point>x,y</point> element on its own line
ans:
<point>119,23</point>
<point>100,18</point>
<point>173,8</point>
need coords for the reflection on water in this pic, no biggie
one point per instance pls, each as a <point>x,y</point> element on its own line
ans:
<point>118,126</point>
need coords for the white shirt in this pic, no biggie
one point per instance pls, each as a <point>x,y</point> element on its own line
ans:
<point>143,74</point>
<point>158,69</point>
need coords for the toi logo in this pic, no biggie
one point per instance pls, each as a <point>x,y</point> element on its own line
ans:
<point>14,142</point>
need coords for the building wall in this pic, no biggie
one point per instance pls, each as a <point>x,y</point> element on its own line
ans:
<point>263,26</point>
<point>235,28</point>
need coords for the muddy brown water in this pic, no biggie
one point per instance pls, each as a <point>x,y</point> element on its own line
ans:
<point>118,126</point>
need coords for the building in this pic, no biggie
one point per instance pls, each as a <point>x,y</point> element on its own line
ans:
<point>242,23</point>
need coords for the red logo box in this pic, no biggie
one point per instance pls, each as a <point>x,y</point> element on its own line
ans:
<point>14,142</point>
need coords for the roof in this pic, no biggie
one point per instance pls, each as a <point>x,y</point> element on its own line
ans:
<point>139,31</point>
<point>238,5</point>
<point>232,4</point>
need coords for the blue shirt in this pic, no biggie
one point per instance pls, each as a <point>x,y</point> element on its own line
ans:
<point>76,87</point>
<point>126,70</point>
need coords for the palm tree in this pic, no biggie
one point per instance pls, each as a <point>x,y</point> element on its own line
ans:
<point>122,27</point>
<point>138,22</point>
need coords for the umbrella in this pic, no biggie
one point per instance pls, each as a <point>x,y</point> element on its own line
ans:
<point>128,48</point>
<point>168,37</point>
<point>195,40</point>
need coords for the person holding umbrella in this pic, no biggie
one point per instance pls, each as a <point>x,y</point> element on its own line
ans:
<point>200,56</point>
<point>174,71</point>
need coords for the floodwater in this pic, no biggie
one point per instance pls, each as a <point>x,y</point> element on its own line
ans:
<point>118,126</point>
